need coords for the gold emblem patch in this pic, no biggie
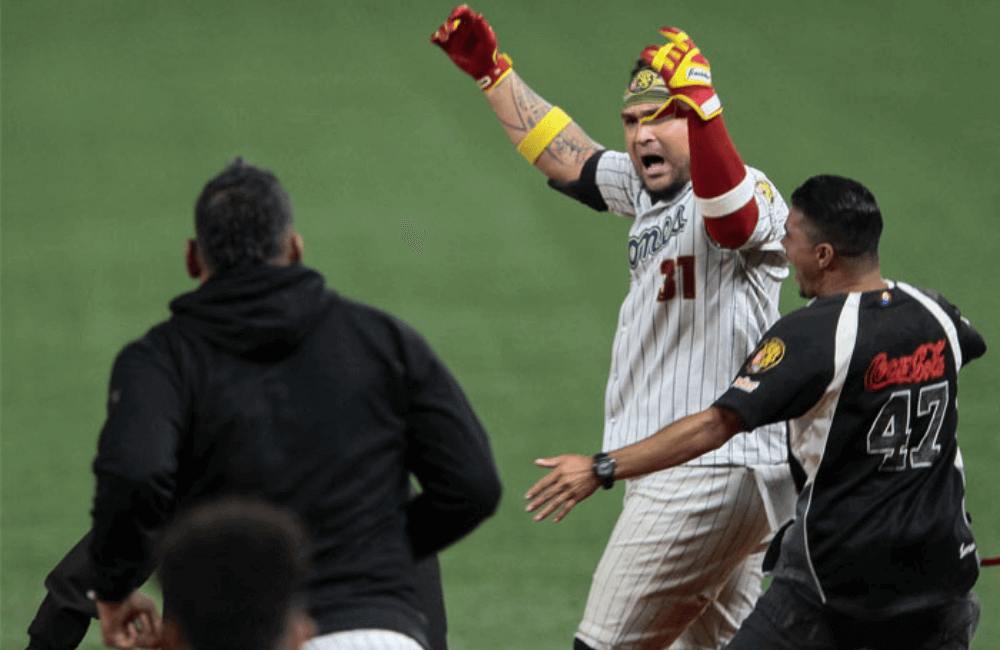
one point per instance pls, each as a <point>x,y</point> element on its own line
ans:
<point>768,355</point>
<point>643,80</point>
<point>764,188</point>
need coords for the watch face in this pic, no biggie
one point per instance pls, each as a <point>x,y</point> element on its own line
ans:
<point>604,468</point>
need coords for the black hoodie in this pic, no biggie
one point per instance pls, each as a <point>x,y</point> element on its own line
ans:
<point>265,382</point>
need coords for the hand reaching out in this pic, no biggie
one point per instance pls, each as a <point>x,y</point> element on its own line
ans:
<point>571,480</point>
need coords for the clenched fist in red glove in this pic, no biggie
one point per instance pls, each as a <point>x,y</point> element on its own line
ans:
<point>686,72</point>
<point>469,41</point>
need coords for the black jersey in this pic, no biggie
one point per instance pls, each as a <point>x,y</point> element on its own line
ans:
<point>868,383</point>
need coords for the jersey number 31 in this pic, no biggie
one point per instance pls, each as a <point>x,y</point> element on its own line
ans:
<point>684,266</point>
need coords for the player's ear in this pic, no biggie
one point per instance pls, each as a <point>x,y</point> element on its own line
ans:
<point>191,259</point>
<point>295,248</point>
<point>824,254</point>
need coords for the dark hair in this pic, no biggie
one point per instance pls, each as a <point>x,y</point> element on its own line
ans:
<point>842,212</point>
<point>231,571</point>
<point>241,217</point>
<point>639,65</point>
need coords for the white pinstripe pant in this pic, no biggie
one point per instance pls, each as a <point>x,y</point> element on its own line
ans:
<point>683,563</point>
<point>363,640</point>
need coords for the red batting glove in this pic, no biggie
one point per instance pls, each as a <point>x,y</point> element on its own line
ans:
<point>686,72</point>
<point>469,41</point>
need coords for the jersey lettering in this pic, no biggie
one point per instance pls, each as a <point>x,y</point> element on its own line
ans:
<point>890,433</point>
<point>927,362</point>
<point>651,240</point>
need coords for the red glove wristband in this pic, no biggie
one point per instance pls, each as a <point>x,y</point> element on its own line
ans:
<point>470,43</point>
<point>496,74</point>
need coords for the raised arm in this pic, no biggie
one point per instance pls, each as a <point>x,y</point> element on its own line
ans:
<point>545,135</point>
<point>723,189</point>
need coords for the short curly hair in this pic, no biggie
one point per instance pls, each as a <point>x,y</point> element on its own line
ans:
<point>241,218</point>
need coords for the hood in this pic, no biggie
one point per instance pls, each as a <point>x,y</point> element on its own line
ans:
<point>263,312</point>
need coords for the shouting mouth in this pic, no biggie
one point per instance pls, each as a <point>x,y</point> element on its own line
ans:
<point>654,165</point>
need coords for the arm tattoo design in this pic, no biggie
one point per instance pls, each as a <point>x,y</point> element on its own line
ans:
<point>571,146</point>
<point>529,108</point>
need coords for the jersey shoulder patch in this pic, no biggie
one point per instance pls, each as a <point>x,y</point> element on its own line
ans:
<point>764,189</point>
<point>768,354</point>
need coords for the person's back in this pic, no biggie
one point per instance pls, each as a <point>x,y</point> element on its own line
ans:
<point>264,382</point>
<point>310,400</point>
<point>871,534</point>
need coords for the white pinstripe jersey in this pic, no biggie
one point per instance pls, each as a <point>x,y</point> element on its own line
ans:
<point>693,313</point>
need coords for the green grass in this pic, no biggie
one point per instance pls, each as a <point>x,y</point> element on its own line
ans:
<point>115,113</point>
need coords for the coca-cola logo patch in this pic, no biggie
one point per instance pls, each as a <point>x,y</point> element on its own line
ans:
<point>926,362</point>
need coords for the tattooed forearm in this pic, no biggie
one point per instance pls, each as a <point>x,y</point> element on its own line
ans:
<point>530,107</point>
<point>520,109</point>
<point>572,146</point>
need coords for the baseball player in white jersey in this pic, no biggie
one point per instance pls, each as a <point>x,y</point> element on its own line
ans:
<point>683,563</point>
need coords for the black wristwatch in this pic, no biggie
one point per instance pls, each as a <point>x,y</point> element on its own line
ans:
<point>604,469</point>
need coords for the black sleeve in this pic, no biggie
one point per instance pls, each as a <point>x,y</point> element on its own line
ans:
<point>136,468</point>
<point>447,451</point>
<point>64,616</point>
<point>972,343</point>
<point>584,189</point>
<point>786,375</point>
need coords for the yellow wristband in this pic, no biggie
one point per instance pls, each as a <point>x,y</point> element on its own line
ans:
<point>544,132</point>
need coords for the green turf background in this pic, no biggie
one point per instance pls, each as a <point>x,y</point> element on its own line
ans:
<point>114,113</point>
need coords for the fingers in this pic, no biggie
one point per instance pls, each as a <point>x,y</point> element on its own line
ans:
<point>648,53</point>
<point>150,632</point>
<point>448,28</point>
<point>459,14</point>
<point>678,37</point>
<point>445,31</point>
<point>553,490</point>
<point>559,498</point>
<point>124,638</point>
<point>539,487</point>
<point>564,500</point>
<point>131,623</point>
<point>548,462</point>
<point>463,12</point>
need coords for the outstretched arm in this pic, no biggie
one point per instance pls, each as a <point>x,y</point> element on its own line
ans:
<point>545,135</point>
<point>572,478</point>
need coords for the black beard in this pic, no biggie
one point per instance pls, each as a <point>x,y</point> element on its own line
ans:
<point>667,194</point>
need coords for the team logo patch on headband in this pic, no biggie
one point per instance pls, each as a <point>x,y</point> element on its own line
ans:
<point>643,80</point>
<point>646,87</point>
